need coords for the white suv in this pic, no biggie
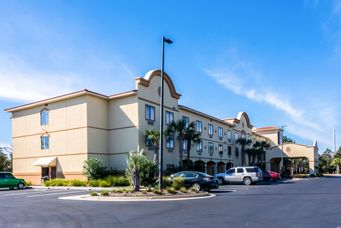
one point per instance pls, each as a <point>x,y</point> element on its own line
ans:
<point>241,174</point>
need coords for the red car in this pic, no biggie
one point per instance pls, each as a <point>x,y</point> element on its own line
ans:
<point>271,175</point>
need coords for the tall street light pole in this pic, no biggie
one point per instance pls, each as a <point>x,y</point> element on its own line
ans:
<point>282,152</point>
<point>168,41</point>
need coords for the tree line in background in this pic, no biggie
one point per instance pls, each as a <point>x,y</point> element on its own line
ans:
<point>329,163</point>
<point>6,158</point>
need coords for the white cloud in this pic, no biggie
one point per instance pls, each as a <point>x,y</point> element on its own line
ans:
<point>310,118</point>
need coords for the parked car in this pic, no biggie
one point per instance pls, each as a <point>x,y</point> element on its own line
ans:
<point>271,175</point>
<point>197,180</point>
<point>242,174</point>
<point>7,180</point>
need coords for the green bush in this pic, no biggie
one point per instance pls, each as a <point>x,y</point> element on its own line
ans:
<point>93,183</point>
<point>183,190</point>
<point>28,183</point>
<point>77,183</point>
<point>104,193</point>
<point>177,183</point>
<point>103,183</point>
<point>117,181</point>
<point>171,190</point>
<point>93,193</point>
<point>56,182</point>
<point>166,182</point>
<point>157,191</point>
<point>94,169</point>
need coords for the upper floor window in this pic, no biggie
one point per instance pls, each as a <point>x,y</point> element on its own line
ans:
<point>186,119</point>
<point>150,113</point>
<point>210,130</point>
<point>170,142</point>
<point>44,117</point>
<point>198,126</point>
<point>243,136</point>
<point>184,145</point>
<point>229,151</point>
<point>169,117</point>
<point>236,150</point>
<point>44,142</point>
<point>210,148</point>
<point>199,146</point>
<point>229,136</point>
<point>220,148</point>
<point>220,133</point>
<point>236,136</point>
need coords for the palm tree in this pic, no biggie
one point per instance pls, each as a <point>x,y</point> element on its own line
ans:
<point>135,164</point>
<point>261,147</point>
<point>179,129</point>
<point>243,143</point>
<point>191,135</point>
<point>153,140</point>
<point>337,162</point>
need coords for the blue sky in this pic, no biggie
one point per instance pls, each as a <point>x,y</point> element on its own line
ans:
<point>277,60</point>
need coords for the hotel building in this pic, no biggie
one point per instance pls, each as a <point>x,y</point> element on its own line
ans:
<point>54,137</point>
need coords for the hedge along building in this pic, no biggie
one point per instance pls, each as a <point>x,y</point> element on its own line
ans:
<point>54,137</point>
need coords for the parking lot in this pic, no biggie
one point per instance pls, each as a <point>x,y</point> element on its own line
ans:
<point>305,203</point>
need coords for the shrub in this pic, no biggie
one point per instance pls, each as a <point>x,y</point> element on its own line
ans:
<point>194,190</point>
<point>93,183</point>
<point>178,182</point>
<point>94,169</point>
<point>117,181</point>
<point>144,191</point>
<point>103,183</point>
<point>56,182</point>
<point>171,190</point>
<point>166,182</point>
<point>157,191</point>
<point>93,194</point>
<point>76,183</point>
<point>28,183</point>
<point>183,190</point>
<point>104,193</point>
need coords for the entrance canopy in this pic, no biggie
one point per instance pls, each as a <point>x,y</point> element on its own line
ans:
<point>46,162</point>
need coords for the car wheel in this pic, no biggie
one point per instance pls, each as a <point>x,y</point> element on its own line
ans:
<point>196,187</point>
<point>21,185</point>
<point>247,181</point>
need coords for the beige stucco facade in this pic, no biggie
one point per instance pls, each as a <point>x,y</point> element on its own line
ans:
<point>87,124</point>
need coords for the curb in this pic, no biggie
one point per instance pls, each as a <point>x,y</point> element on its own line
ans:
<point>77,188</point>
<point>135,199</point>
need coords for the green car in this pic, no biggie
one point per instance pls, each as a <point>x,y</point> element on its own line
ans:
<point>7,180</point>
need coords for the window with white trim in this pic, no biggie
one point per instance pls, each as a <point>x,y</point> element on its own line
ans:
<point>186,119</point>
<point>150,113</point>
<point>44,117</point>
<point>220,148</point>
<point>170,142</point>
<point>229,136</point>
<point>220,133</point>
<point>44,142</point>
<point>169,117</point>
<point>210,130</point>
<point>198,126</point>
<point>210,148</point>
<point>236,136</point>
<point>199,146</point>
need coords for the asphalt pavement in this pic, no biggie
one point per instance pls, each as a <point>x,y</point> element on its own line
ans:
<point>309,203</point>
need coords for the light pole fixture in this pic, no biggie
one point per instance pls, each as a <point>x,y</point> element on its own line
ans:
<point>168,41</point>
<point>282,152</point>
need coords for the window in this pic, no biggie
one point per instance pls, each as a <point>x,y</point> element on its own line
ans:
<point>236,136</point>
<point>169,117</point>
<point>198,126</point>
<point>150,113</point>
<point>210,148</point>
<point>44,142</point>
<point>240,170</point>
<point>170,142</point>
<point>210,130</point>
<point>199,146</point>
<point>229,151</point>
<point>44,117</point>
<point>220,133</point>
<point>231,171</point>
<point>229,136</point>
<point>184,145</point>
<point>186,119</point>
<point>220,148</point>
<point>243,136</point>
<point>236,150</point>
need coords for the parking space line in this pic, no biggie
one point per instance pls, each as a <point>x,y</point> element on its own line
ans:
<point>55,193</point>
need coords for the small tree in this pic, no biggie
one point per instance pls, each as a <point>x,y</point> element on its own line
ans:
<point>153,140</point>
<point>5,159</point>
<point>243,143</point>
<point>191,136</point>
<point>139,169</point>
<point>94,169</point>
<point>337,162</point>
